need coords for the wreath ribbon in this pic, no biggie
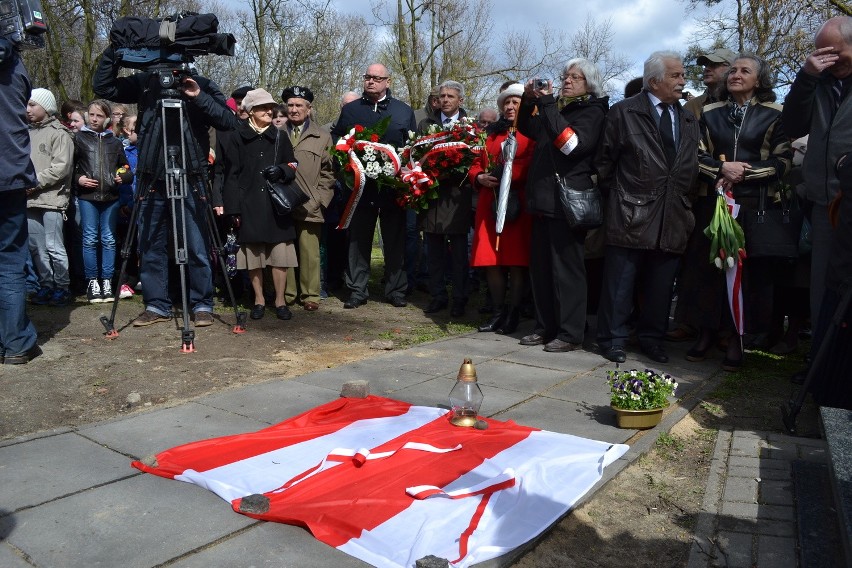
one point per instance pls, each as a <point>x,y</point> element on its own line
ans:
<point>356,166</point>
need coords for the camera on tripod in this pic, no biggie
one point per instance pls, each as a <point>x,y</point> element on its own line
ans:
<point>21,26</point>
<point>168,45</point>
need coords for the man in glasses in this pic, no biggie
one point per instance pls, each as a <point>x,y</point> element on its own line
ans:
<point>375,104</point>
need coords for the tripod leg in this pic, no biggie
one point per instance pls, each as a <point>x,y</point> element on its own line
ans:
<point>130,239</point>
<point>240,316</point>
<point>790,411</point>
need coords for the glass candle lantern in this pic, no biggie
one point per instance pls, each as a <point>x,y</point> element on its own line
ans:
<point>465,397</point>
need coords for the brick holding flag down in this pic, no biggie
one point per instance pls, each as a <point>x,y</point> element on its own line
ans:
<point>389,482</point>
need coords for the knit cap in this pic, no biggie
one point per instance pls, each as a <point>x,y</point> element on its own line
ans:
<point>45,99</point>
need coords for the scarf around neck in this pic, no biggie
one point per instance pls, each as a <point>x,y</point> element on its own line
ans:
<point>565,101</point>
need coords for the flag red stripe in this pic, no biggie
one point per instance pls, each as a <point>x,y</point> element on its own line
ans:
<point>320,421</point>
<point>338,504</point>
<point>474,522</point>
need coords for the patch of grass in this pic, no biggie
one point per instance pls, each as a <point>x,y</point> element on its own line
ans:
<point>762,372</point>
<point>714,409</point>
<point>667,445</point>
<point>425,333</point>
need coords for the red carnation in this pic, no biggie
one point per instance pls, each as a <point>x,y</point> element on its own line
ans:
<point>359,128</point>
<point>374,137</point>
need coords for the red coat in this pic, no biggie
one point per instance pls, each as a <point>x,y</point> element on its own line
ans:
<point>515,238</point>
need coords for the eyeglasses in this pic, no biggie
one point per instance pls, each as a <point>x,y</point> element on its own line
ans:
<point>375,78</point>
<point>573,77</point>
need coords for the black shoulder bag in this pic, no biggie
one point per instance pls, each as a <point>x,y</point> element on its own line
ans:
<point>582,207</point>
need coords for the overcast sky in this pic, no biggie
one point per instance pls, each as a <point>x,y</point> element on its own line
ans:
<point>640,26</point>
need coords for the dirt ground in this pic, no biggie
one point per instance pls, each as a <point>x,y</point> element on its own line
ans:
<point>645,514</point>
<point>84,377</point>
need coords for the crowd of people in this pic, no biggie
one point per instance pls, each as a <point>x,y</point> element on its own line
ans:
<point>658,164</point>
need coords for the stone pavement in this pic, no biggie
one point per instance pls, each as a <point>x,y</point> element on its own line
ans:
<point>69,497</point>
<point>749,514</point>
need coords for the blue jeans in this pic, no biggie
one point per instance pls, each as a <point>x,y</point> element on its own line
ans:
<point>99,220</point>
<point>17,334</point>
<point>155,227</point>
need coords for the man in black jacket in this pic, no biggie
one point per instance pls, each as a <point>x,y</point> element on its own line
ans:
<point>646,165</point>
<point>446,222</point>
<point>17,175</point>
<point>205,107</point>
<point>375,104</point>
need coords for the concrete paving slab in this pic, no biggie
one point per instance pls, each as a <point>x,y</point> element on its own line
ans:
<point>144,434</point>
<point>270,544</point>
<point>597,423</point>
<point>480,344</point>
<point>438,359</point>
<point>432,393</point>
<point>573,361</point>
<point>586,388</point>
<point>9,558</point>
<point>521,378</point>
<point>271,402</point>
<point>435,393</point>
<point>46,468</point>
<point>384,379</point>
<point>138,522</point>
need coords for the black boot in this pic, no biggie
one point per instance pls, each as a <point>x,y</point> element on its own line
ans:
<point>496,322</point>
<point>511,323</point>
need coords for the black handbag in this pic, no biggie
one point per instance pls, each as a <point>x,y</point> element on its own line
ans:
<point>513,206</point>
<point>774,232</point>
<point>582,207</point>
<point>285,197</point>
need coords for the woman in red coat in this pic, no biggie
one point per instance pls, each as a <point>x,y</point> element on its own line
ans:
<point>514,250</point>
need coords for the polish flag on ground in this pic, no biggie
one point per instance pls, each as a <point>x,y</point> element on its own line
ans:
<point>390,483</point>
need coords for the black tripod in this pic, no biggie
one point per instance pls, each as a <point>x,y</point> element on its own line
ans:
<point>790,410</point>
<point>171,134</point>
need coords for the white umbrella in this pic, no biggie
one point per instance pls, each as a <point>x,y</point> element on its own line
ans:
<point>510,147</point>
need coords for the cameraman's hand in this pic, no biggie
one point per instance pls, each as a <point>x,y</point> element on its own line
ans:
<point>190,87</point>
<point>219,211</point>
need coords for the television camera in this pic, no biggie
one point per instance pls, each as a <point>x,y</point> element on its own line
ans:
<point>21,26</point>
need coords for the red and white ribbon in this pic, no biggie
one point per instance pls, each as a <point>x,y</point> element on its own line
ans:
<point>359,457</point>
<point>484,489</point>
<point>356,166</point>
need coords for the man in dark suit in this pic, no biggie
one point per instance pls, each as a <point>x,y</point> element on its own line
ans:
<point>646,165</point>
<point>446,222</point>
<point>375,104</point>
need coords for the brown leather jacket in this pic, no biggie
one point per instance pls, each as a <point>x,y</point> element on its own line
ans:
<point>649,201</point>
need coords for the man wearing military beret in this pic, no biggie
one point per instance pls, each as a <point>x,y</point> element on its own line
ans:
<point>315,176</point>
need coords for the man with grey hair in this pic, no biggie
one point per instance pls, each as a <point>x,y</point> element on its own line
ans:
<point>446,222</point>
<point>487,117</point>
<point>646,165</point>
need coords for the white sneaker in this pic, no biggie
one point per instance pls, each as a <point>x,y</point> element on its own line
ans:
<point>125,291</point>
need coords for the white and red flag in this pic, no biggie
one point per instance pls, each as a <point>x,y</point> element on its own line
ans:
<point>389,483</point>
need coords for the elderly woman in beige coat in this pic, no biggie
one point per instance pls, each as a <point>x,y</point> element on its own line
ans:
<point>315,177</point>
